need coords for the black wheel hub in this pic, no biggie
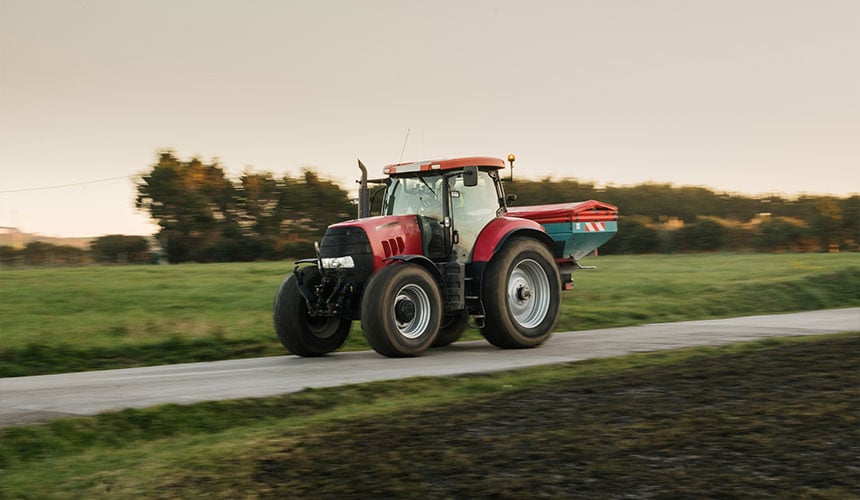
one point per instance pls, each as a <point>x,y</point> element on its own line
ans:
<point>404,311</point>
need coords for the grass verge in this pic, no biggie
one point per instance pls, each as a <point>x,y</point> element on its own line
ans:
<point>779,417</point>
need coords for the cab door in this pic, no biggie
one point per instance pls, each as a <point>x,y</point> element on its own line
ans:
<point>471,209</point>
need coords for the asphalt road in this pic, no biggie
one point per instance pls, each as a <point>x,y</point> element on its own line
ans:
<point>45,397</point>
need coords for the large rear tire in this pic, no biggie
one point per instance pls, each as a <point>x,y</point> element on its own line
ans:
<point>521,292</point>
<point>401,310</point>
<point>299,332</point>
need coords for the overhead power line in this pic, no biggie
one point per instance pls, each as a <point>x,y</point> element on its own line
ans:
<point>43,188</point>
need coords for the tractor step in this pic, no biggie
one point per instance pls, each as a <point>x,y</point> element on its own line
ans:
<point>477,321</point>
<point>455,286</point>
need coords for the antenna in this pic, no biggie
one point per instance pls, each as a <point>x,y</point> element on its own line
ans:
<point>405,140</point>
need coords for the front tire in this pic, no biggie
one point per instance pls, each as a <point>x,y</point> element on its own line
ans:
<point>521,294</point>
<point>401,310</point>
<point>299,332</point>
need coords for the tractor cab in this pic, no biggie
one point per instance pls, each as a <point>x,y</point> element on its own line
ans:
<point>453,199</point>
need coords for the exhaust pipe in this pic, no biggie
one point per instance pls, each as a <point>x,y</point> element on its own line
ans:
<point>363,193</point>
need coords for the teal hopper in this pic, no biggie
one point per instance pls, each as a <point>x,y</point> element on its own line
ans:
<point>577,228</point>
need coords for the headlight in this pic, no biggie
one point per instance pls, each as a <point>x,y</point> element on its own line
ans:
<point>337,262</point>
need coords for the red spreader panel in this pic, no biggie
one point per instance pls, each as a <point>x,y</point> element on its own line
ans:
<point>582,211</point>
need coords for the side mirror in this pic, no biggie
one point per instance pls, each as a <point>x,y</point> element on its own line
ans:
<point>510,199</point>
<point>470,176</point>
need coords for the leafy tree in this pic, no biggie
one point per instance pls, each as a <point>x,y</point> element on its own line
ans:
<point>204,216</point>
<point>549,190</point>
<point>38,253</point>
<point>258,203</point>
<point>850,208</point>
<point>312,204</point>
<point>701,235</point>
<point>634,236</point>
<point>778,234</point>
<point>825,219</point>
<point>9,255</point>
<point>119,248</point>
<point>190,201</point>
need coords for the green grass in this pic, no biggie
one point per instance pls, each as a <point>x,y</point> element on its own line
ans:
<point>662,288</point>
<point>774,418</point>
<point>55,320</point>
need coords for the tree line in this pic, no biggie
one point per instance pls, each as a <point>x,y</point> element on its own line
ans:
<point>661,218</point>
<point>110,249</point>
<point>205,216</point>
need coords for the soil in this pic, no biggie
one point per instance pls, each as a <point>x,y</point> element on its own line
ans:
<point>777,422</point>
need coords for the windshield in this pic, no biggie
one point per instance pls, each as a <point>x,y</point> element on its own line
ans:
<point>420,195</point>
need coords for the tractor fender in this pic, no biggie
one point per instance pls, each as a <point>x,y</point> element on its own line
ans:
<point>421,261</point>
<point>499,230</point>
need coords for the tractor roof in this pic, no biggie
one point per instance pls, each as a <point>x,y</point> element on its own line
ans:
<point>451,164</point>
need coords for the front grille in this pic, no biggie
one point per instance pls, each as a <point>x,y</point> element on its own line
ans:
<point>351,241</point>
<point>344,241</point>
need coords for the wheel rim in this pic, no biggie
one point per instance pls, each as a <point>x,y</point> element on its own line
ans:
<point>412,311</point>
<point>528,293</point>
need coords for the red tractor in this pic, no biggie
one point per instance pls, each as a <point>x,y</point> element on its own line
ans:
<point>445,252</point>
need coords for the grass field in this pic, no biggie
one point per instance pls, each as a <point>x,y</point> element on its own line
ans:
<point>772,419</point>
<point>67,319</point>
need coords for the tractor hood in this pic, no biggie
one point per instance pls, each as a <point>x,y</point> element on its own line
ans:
<point>387,236</point>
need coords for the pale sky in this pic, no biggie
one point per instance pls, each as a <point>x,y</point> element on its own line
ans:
<point>746,96</point>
